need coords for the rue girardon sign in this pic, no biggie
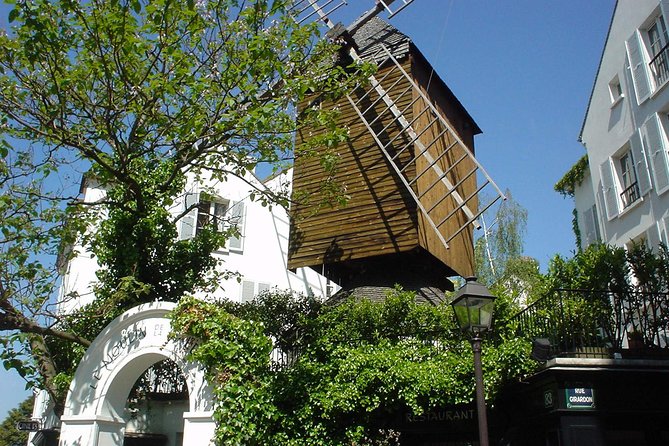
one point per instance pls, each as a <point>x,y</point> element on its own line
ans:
<point>580,398</point>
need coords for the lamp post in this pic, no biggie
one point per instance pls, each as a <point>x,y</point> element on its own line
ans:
<point>473,304</point>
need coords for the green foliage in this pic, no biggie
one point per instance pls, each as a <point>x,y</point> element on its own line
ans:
<point>619,291</point>
<point>599,267</point>
<point>574,177</point>
<point>9,434</point>
<point>576,229</point>
<point>355,366</point>
<point>501,242</point>
<point>140,95</point>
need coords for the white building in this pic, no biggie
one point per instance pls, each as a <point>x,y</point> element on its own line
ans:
<point>97,410</point>
<point>258,255</point>
<point>624,193</point>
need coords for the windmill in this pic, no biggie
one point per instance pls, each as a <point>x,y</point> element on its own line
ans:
<point>408,167</point>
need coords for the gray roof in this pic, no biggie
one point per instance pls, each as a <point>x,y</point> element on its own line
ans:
<point>372,34</point>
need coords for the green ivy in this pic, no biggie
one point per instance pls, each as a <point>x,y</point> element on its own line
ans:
<point>574,177</point>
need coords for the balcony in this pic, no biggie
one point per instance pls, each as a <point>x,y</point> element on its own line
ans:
<point>659,66</point>
<point>630,195</point>
<point>579,323</point>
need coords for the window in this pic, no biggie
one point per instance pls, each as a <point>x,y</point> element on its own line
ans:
<point>220,214</point>
<point>625,177</point>
<point>628,183</point>
<point>615,91</point>
<point>657,42</point>
<point>211,213</point>
<point>648,57</point>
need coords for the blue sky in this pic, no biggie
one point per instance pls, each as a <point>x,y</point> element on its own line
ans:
<point>524,70</point>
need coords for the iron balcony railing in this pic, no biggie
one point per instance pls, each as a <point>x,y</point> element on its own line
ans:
<point>630,194</point>
<point>598,323</point>
<point>659,66</point>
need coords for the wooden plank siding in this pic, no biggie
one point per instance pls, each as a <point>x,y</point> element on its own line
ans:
<point>460,253</point>
<point>380,217</point>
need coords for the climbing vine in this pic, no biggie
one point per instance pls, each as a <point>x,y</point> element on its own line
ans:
<point>574,177</point>
<point>576,229</point>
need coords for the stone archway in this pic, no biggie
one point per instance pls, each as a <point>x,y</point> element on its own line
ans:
<point>119,355</point>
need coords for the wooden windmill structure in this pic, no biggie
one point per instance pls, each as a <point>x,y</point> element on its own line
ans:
<point>408,168</point>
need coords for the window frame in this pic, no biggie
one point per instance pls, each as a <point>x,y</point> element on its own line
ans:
<point>217,209</point>
<point>228,213</point>
<point>657,51</point>
<point>625,177</point>
<point>616,93</point>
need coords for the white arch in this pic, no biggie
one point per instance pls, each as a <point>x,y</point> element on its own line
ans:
<point>119,355</point>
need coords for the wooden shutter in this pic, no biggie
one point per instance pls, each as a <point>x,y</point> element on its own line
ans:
<point>640,164</point>
<point>237,220</point>
<point>189,220</point>
<point>657,152</point>
<point>638,67</point>
<point>609,189</point>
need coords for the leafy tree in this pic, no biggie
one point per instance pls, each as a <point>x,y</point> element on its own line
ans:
<point>140,95</point>
<point>502,241</point>
<point>9,434</point>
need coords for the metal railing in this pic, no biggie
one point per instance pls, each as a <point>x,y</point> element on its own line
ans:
<point>630,194</point>
<point>659,66</point>
<point>597,323</point>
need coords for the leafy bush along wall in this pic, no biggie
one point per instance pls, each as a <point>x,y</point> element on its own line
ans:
<point>359,365</point>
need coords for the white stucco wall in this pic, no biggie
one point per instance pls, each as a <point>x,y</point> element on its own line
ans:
<point>611,125</point>
<point>262,260</point>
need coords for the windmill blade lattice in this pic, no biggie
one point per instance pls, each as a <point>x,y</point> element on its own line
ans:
<point>433,162</point>
<point>426,153</point>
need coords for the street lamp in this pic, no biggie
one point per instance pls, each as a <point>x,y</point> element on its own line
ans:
<point>473,305</point>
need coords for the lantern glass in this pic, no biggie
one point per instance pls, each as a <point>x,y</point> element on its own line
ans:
<point>473,307</point>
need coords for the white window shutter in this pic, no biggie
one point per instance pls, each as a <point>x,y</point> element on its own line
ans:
<point>262,287</point>
<point>601,226</point>
<point>189,220</point>
<point>665,220</point>
<point>640,164</point>
<point>609,189</point>
<point>237,220</point>
<point>653,237</point>
<point>657,152</point>
<point>589,223</point>
<point>638,66</point>
<point>248,290</point>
